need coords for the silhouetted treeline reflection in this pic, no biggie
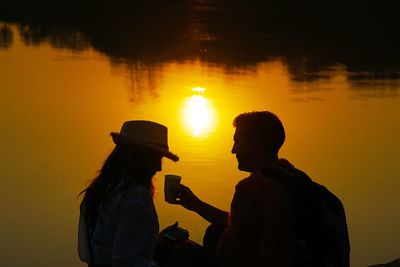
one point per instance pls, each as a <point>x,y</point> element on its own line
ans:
<point>309,37</point>
<point>6,36</point>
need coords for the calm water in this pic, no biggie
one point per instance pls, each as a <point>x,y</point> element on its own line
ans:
<point>61,97</point>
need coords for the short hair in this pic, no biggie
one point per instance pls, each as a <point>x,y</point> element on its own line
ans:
<point>264,126</point>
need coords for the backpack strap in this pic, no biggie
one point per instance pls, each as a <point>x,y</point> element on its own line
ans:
<point>302,197</point>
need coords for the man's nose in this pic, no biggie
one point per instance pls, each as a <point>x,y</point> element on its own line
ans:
<point>233,151</point>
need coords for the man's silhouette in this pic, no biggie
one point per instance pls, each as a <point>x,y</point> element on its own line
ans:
<point>275,214</point>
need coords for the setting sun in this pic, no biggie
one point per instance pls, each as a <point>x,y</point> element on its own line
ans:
<point>199,90</point>
<point>198,113</point>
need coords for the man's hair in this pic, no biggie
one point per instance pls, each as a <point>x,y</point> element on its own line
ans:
<point>264,126</point>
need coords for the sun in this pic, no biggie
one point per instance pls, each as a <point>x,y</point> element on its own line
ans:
<point>198,113</point>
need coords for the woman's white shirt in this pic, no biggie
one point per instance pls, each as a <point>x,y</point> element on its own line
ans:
<point>126,230</point>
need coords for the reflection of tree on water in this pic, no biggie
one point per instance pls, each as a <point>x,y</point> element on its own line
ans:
<point>143,79</point>
<point>381,84</point>
<point>6,36</point>
<point>376,89</point>
<point>57,36</point>
<point>307,41</point>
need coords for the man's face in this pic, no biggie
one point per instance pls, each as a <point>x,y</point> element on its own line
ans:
<point>246,151</point>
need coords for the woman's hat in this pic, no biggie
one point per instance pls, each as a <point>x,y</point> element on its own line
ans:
<point>146,134</point>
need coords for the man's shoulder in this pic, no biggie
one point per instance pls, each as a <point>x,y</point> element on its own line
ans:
<point>258,182</point>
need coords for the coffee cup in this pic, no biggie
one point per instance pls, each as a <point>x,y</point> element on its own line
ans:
<point>171,183</point>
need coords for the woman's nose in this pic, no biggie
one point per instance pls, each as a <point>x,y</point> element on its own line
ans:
<point>158,167</point>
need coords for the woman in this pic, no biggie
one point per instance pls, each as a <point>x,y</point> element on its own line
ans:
<point>118,224</point>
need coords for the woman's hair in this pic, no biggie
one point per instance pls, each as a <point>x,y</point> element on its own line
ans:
<point>126,165</point>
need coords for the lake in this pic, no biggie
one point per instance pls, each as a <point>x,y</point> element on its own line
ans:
<point>64,89</point>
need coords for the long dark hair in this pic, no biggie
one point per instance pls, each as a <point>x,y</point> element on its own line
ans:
<point>126,165</point>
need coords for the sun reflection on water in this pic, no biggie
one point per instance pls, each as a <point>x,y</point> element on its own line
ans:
<point>198,113</point>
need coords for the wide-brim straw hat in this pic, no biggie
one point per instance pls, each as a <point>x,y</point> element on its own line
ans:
<point>145,134</point>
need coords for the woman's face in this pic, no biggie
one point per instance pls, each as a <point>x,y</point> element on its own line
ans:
<point>144,161</point>
<point>158,164</point>
<point>154,162</point>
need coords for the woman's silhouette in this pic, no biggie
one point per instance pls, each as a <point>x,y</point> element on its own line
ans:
<point>118,224</point>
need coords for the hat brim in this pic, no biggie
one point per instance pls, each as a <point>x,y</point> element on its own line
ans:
<point>119,139</point>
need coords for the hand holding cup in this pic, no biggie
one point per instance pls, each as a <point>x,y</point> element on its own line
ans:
<point>187,198</point>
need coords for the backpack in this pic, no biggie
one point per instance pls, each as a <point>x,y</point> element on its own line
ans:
<point>320,222</point>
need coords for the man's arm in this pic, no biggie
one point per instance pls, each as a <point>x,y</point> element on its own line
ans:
<point>210,213</point>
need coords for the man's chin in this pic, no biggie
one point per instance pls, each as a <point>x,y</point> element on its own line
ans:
<point>243,168</point>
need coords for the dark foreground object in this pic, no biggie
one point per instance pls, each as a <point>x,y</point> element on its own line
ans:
<point>395,263</point>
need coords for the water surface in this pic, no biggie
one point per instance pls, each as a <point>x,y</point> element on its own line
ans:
<point>59,102</point>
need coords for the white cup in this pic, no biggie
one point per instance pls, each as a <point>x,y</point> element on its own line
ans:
<point>171,183</point>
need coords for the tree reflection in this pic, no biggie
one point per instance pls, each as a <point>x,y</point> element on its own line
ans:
<point>58,36</point>
<point>6,36</point>
<point>143,79</point>
<point>310,37</point>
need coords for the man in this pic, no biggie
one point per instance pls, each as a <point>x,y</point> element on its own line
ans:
<point>268,224</point>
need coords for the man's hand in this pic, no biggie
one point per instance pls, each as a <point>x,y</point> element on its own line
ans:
<point>187,198</point>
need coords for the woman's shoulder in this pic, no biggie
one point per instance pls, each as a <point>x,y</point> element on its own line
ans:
<point>136,190</point>
<point>137,193</point>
